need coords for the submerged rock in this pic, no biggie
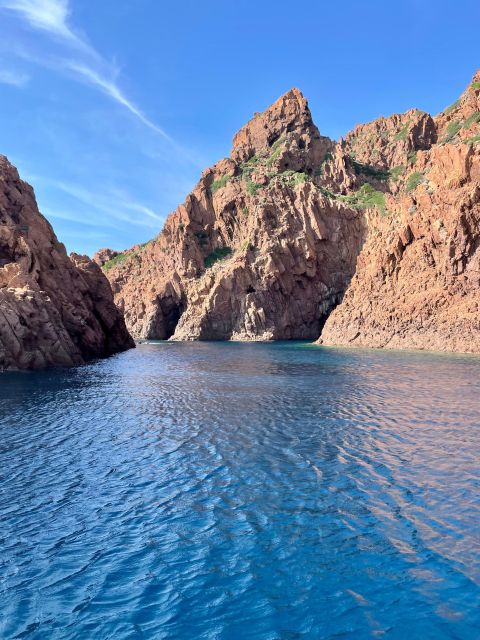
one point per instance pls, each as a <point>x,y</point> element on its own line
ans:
<point>53,310</point>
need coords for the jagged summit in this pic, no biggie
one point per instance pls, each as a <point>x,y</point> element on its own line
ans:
<point>289,114</point>
<point>231,257</point>
<point>267,243</point>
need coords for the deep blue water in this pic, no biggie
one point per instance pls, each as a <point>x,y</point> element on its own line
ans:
<point>207,491</point>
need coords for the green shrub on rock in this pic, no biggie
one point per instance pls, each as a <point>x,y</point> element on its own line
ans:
<point>413,180</point>
<point>219,184</point>
<point>218,254</point>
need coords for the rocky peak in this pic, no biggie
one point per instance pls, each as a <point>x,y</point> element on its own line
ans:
<point>267,243</point>
<point>390,142</point>
<point>287,121</point>
<point>255,221</point>
<point>104,255</point>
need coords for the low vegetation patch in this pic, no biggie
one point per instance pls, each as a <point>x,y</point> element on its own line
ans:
<point>278,143</point>
<point>476,85</point>
<point>412,157</point>
<point>471,120</point>
<point>403,133</point>
<point>452,129</point>
<point>327,192</point>
<point>219,184</point>
<point>125,255</point>
<point>300,178</point>
<point>247,168</point>
<point>291,178</point>
<point>319,171</point>
<point>366,198</point>
<point>218,254</point>
<point>369,170</point>
<point>116,261</point>
<point>276,150</point>
<point>253,187</point>
<point>413,180</point>
<point>473,139</point>
<point>396,172</point>
<point>455,126</point>
<point>453,106</point>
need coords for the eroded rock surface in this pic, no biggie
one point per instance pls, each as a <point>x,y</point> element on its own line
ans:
<point>417,282</point>
<point>104,255</point>
<point>266,245</point>
<point>257,251</point>
<point>53,310</point>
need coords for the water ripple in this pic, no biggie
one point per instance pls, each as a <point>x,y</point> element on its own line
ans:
<point>215,491</point>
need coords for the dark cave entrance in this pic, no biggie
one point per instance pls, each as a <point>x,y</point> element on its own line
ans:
<point>6,255</point>
<point>169,312</point>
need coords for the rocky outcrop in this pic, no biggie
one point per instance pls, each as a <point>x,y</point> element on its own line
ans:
<point>417,281</point>
<point>53,310</point>
<point>104,255</point>
<point>257,251</point>
<point>274,237</point>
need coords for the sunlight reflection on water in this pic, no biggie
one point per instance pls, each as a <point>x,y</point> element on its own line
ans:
<point>242,491</point>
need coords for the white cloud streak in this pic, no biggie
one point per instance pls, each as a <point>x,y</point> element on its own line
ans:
<point>14,78</point>
<point>52,18</point>
<point>115,208</point>
<point>46,15</point>
<point>111,89</point>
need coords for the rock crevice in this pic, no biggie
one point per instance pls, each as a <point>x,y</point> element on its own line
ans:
<point>372,240</point>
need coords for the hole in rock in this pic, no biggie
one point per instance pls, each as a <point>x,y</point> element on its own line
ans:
<point>273,138</point>
<point>164,323</point>
<point>6,256</point>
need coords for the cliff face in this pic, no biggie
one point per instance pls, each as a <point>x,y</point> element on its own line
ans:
<point>53,310</point>
<point>417,281</point>
<point>257,251</point>
<point>273,238</point>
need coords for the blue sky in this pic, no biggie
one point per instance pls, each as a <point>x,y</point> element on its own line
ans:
<point>112,108</point>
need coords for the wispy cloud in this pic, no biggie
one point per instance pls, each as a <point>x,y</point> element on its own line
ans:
<point>14,78</point>
<point>83,218</point>
<point>52,17</point>
<point>112,90</point>
<point>111,203</point>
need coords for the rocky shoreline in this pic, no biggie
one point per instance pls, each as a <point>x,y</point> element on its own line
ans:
<point>371,241</point>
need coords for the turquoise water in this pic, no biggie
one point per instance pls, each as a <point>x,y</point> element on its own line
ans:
<point>270,491</point>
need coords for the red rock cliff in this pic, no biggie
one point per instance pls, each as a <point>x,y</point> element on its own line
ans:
<point>53,310</point>
<point>417,281</point>
<point>275,236</point>
<point>257,251</point>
